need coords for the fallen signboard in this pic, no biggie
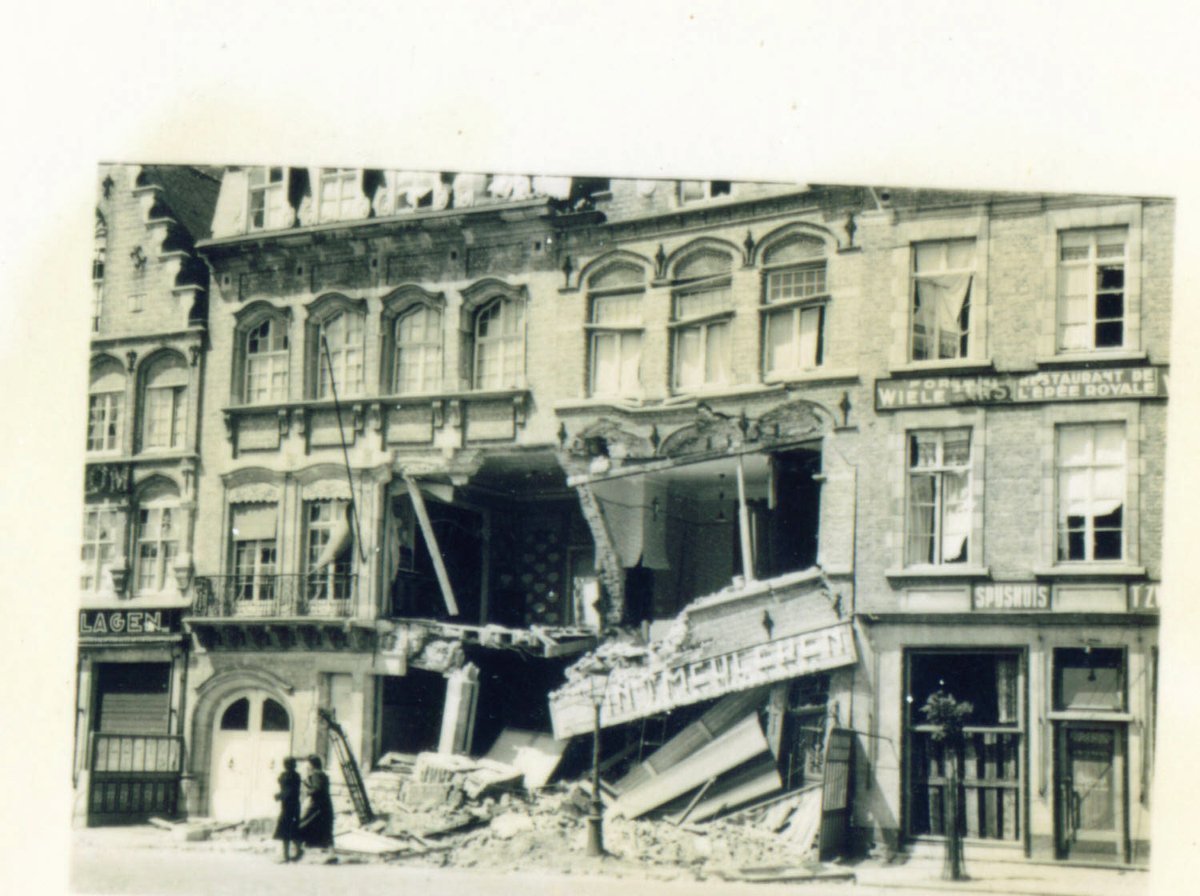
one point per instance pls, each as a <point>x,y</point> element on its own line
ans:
<point>634,693</point>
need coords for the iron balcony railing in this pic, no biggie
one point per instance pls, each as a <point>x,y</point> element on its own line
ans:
<point>306,594</point>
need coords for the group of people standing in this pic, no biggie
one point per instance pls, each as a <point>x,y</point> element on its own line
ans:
<point>310,824</point>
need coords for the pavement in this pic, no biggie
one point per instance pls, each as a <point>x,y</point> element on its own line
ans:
<point>146,860</point>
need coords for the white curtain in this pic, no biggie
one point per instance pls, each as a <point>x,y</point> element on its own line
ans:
<point>938,306</point>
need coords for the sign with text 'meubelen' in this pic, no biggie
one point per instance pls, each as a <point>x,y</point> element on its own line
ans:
<point>636,693</point>
<point>1010,596</point>
<point>128,622</point>
<point>1093,384</point>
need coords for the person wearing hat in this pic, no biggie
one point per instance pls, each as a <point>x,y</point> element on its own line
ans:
<point>287,827</point>
<point>316,819</point>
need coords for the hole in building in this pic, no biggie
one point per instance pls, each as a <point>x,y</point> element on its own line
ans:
<point>410,711</point>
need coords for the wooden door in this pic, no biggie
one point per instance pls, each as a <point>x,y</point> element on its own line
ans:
<point>1090,792</point>
<point>251,740</point>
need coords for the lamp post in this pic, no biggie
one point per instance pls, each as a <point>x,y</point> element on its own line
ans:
<point>597,679</point>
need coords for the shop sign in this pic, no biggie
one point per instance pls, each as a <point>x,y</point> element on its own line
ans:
<point>636,693</point>
<point>1094,384</point>
<point>1143,597</point>
<point>128,622</point>
<point>107,480</point>
<point>1010,596</point>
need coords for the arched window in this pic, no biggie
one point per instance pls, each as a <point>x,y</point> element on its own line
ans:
<point>344,335</point>
<point>615,295</point>
<point>499,344</point>
<point>157,539</point>
<point>795,298</point>
<point>701,314</point>
<point>266,362</point>
<point>106,399</point>
<point>274,716</point>
<point>237,715</point>
<point>417,366</point>
<point>164,403</point>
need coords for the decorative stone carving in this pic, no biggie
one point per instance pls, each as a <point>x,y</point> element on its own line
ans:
<point>607,436</point>
<point>326,490</point>
<point>254,493</point>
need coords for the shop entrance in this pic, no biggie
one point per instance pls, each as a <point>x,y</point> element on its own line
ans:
<point>252,737</point>
<point>1090,798</point>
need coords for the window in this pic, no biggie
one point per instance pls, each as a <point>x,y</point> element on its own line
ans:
<point>101,530</point>
<point>268,198</point>
<point>343,335</point>
<point>500,344</point>
<point>97,304</point>
<point>157,546</point>
<point>98,277</point>
<point>942,276</point>
<point>340,193</point>
<point>136,302</point>
<point>615,331</point>
<point>1091,289</point>
<point>939,496</point>
<point>327,553</point>
<point>267,362</point>
<point>992,760</point>
<point>1089,678</point>
<point>794,297</point>
<point>417,364</point>
<point>702,307</point>
<point>254,553</point>
<point>699,190</point>
<point>1091,491</point>
<point>164,409</point>
<point>106,401</point>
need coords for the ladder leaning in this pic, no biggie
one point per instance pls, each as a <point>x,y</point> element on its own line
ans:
<point>350,771</point>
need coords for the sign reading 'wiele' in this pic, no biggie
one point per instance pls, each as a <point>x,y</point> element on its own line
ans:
<point>635,693</point>
<point>1096,384</point>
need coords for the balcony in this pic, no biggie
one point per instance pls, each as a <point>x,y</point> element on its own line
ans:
<point>279,612</point>
<point>321,595</point>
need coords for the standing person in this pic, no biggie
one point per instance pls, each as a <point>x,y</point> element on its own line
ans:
<point>287,828</point>
<point>316,821</point>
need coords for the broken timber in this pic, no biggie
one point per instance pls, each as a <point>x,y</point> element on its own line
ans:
<point>435,553</point>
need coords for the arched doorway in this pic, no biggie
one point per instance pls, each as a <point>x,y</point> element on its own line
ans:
<point>251,736</point>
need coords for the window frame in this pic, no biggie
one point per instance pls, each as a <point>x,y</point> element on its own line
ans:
<point>349,192</point>
<point>271,360</point>
<point>254,582</point>
<point>795,308</point>
<point>339,353</point>
<point>971,333</point>
<point>95,574</point>
<point>703,323</point>
<point>111,404</point>
<point>334,583</point>
<point>618,331</point>
<point>1062,528</point>
<point>515,378</point>
<point>431,350</point>
<point>1093,264</point>
<point>267,189</point>
<point>166,550</point>
<point>938,471</point>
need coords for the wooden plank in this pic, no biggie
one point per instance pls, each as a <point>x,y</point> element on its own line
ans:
<point>739,744</point>
<point>972,819</point>
<point>435,553</point>
<point>717,720</point>
<point>1008,812</point>
<point>680,819</point>
<point>754,782</point>
<point>937,812</point>
<point>991,812</point>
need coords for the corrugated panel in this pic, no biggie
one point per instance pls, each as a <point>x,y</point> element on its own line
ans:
<point>133,698</point>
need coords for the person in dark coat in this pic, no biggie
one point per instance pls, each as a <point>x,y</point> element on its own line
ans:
<point>316,819</point>
<point>287,828</point>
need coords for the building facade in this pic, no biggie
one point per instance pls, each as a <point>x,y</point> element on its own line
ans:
<point>854,445</point>
<point>149,315</point>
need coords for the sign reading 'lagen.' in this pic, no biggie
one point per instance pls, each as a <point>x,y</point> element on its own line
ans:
<point>128,622</point>
<point>1021,388</point>
<point>1010,596</point>
<point>635,693</point>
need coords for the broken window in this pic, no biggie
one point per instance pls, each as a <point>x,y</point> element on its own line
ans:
<point>418,361</point>
<point>939,496</point>
<point>615,331</point>
<point>942,276</point>
<point>413,584</point>
<point>328,539</point>
<point>340,194</point>
<point>499,355</point>
<point>268,208</point>
<point>101,528</point>
<point>1091,491</point>
<point>266,362</point>
<point>1091,289</point>
<point>991,760</point>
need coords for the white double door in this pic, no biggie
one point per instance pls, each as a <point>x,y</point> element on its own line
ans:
<point>252,737</point>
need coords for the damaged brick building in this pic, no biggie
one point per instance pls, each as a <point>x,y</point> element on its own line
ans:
<point>787,459</point>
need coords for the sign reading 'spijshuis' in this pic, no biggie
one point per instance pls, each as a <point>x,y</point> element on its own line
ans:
<point>1094,384</point>
<point>636,693</point>
<point>128,622</point>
